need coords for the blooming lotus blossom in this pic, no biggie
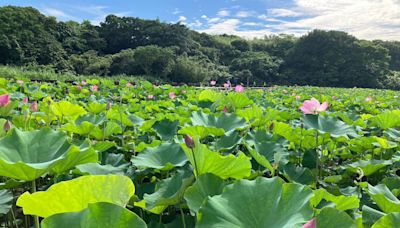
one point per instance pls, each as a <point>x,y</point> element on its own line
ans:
<point>95,88</point>
<point>313,106</point>
<point>84,83</point>
<point>150,97</point>
<point>213,82</point>
<point>225,109</point>
<point>4,100</point>
<point>310,224</point>
<point>227,85</point>
<point>25,100</point>
<point>368,99</point>
<point>129,84</point>
<point>334,98</point>
<point>298,97</point>
<point>33,107</point>
<point>239,89</point>
<point>20,82</point>
<point>172,95</point>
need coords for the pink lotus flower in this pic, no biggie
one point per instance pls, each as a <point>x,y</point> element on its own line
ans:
<point>239,89</point>
<point>227,85</point>
<point>95,88</point>
<point>172,95</point>
<point>84,83</point>
<point>310,224</point>
<point>368,99</point>
<point>150,97</point>
<point>334,98</point>
<point>26,100</point>
<point>4,100</point>
<point>20,82</point>
<point>225,109</point>
<point>129,84</point>
<point>213,82</point>
<point>33,107</point>
<point>298,97</point>
<point>313,106</point>
<point>79,87</point>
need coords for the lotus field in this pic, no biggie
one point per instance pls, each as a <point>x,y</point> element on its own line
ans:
<point>97,154</point>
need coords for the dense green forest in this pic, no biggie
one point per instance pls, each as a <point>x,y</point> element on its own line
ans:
<point>174,53</point>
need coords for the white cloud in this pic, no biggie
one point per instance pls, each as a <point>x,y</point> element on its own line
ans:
<point>366,19</point>
<point>283,13</point>
<point>59,14</point>
<point>176,11</point>
<point>99,12</point>
<point>182,19</point>
<point>223,13</point>
<point>196,23</point>
<point>244,14</point>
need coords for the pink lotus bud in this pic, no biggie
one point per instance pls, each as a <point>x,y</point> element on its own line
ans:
<point>225,109</point>
<point>334,98</point>
<point>109,105</point>
<point>79,87</point>
<point>189,141</point>
<point>172,95</point>
<point>7,126</point>
<point>95,88</point>
<point>4,100</point>
<point>298,97</point>
<point>129,84</point>
<point>310,224</point>
<point>239,89</point>
<point>84,83</point>
<point>150,97</point>
<point>213,82</point>
<point>313,106</point>
<point>26,100</point>
<point>368,99</point>
<point>33,107</point>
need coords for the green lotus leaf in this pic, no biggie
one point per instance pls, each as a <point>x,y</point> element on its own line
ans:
<point>206,185</point>
<point>168,192</point>
<point>97,169</point>
<point>97,215</point>
<point>111,128</point>
<point>165,157</point>
<point>384,198</point>
<point>76,194</point>
<point>67,109</point>
<point>258,203</point>
<point>91,118</point>
<point>117,113</point>
<point>166,129</point>
<point>389,220</point>
<point>29,155</point>
<point>333,218</point>
<point>387,119</point>
<point>96,108</point>
<point>6,201</point>
<point>206,161</point>
<point>239,100</point>
<point>299,174</point>
<point>368,167</point>
<point>201,131</point>
<point>370,216</point>
<point>228,141</point>
<point>341,202</point>
<point>331,125</point>
<point>226,121</point>
<point>136,120</point>
<point>85,128</point>
<point>208,95</point>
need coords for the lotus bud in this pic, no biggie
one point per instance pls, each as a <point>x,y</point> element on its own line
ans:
<point>225,109</point>
<point>109,105</point>
<point>4,100</point>
<point>7,126</point>
<point>189,141</point>
<point>33,107</point>
<point>26,100</point>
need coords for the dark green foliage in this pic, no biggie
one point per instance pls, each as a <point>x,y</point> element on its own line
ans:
<point>166,51</point>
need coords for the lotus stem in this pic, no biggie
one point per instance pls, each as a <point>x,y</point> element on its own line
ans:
<point>183,218</point>
<point>195,163</point>
<point>35,218</point>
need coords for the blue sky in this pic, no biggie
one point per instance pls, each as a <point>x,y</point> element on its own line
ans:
<point>366,19</point>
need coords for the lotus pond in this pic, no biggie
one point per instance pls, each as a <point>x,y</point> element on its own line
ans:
<point>96,154</point>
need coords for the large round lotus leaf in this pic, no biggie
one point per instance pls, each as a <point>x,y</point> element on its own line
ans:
<point>6,201</point>
<point>331,125</point>
<point>226,121</point>
<point>76,194</point>
<point>165,157</point>
<point>98,215</point>
<point>258,203</point>
<point>390,220</point>
<point>332,218</point>
<point>28,155</point>
<point>384,198</point>
<point>368,167</point>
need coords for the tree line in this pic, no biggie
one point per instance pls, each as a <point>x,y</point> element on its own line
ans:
<point>174,53</point>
